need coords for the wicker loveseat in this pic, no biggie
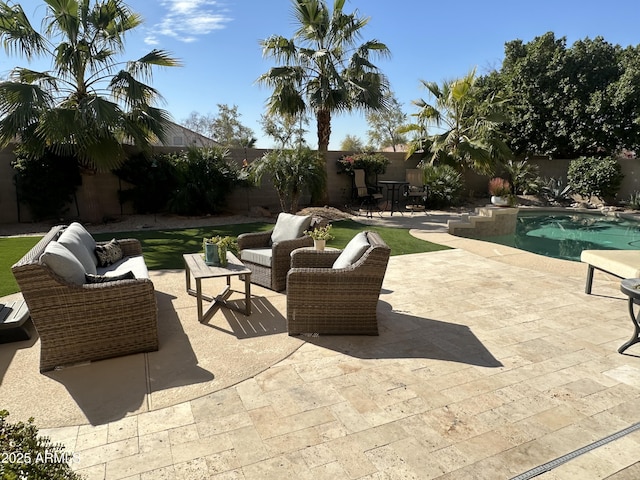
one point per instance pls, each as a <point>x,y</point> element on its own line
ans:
<point>268,254</point>
<point>336,292</point>
<point>78,321</point>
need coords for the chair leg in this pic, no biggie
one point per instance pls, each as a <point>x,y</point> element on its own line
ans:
<point>587,287</point>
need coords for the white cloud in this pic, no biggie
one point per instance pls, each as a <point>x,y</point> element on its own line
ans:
<point>185,20</point>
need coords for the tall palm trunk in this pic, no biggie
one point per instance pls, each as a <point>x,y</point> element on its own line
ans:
<point>323,119</point>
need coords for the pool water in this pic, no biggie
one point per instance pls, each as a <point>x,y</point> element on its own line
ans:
<point>565,235</point>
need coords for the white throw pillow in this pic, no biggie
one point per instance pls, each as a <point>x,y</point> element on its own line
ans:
<point>63,263</point>
<point>289,227</point>
<point>79,242</point>
<point>353,251</point>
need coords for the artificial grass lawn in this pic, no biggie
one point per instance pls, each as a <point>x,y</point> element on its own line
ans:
<point>163,249</point>
<point>12,249</point>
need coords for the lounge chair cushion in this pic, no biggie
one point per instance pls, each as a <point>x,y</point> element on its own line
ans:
<point>622,263</point>
<point>81,244</point>
<point>289,227</point>
<point>353,251</point>
<point>63,263</point>
<point>260,256</point>
<point>134,264</point>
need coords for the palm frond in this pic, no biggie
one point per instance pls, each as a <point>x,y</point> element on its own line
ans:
<point>17,34</point>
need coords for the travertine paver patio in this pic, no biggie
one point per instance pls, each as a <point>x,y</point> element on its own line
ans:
<point>482,370</point>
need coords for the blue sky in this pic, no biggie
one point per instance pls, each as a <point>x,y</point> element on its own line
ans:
<point>218,44</point>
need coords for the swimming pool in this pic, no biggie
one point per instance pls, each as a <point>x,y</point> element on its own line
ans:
<point>565,234</point>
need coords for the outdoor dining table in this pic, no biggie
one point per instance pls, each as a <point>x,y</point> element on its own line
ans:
<point>394,188</point>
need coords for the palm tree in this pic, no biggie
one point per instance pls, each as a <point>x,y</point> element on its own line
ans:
<point>468,126</point>
<point>323,69</point>
<point>90,102</point>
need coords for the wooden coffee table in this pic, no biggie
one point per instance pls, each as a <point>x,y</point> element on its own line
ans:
<point>195,266</point>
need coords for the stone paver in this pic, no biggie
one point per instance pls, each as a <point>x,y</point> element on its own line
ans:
<point>483,369</point>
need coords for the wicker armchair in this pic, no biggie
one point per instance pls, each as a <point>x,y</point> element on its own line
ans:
<point>271,274</point>
<point>80,323</point>
<point>327,300</point>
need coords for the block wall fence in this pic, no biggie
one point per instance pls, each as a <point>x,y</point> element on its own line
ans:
<point>99,192</point>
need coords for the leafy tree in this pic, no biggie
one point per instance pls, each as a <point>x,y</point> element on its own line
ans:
<point>323,68</point>
<point>383,125</point>
<point>287,130</point>
<point>352,143</point>
<point>199,123</point>
<point>468,126</point>
<point>227,130</point>
<point>90,101</point>
<point>595,177</point>
<point>569,102</point>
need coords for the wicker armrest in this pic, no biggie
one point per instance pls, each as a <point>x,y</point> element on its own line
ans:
<point>254,240</point>
<point>311,258</point>
<point>130,247</point>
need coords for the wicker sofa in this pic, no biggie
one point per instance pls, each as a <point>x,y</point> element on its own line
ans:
<point>268,254</point>
<point>336,292</point>
<point>78,321</point>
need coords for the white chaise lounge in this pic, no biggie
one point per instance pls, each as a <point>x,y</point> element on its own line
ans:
<point>620,263</point>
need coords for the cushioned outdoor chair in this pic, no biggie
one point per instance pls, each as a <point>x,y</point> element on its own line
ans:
<point>336,292</point>
<point>368,196</point>
<point>268,254</point>
<point>415,191</point>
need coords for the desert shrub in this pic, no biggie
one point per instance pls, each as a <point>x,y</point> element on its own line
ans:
<point>444,185</point>
<point>522,175</point>
<point>25,454</point>
<point>595,177</point>
<point>292,172</point>
<point>46,184</point>
<point>152,180</point>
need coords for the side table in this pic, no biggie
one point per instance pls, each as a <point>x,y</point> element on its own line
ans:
<point>195,266</point>
<point>13,316</point>
<point>631,288</point>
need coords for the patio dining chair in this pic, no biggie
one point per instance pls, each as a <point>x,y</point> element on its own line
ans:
<point>416,192</point>
<point>368,196</point>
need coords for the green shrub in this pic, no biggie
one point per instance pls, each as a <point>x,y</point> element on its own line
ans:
<point>444,184</point>
<point>152,180</point>
<point>292,172</point>
<point>204,180</point>
<point>46,184</point>
<point>27,455</point>
<point>595,177</point>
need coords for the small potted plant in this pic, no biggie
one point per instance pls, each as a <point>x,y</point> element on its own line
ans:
<point>215,250</point>
<point>500,191</point>
<point>320,236</point>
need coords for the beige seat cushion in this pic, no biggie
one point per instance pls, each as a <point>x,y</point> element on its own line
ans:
<point>622,263</point>
<point>259,256</point>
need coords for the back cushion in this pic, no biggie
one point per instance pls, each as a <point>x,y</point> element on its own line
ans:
<point>353,251</point>
<point>80,242</point>
<point>63,263</point>
<point>289,227</point>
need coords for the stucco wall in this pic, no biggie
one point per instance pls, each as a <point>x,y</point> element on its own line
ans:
<point>99,193</point>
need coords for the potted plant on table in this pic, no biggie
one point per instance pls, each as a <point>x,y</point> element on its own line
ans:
<point>320,236</point>
<point>500,191</point>
<point>215,250</point>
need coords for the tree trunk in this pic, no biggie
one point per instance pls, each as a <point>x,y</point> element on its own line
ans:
<point>90,208</point>
<point>323,121</point>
